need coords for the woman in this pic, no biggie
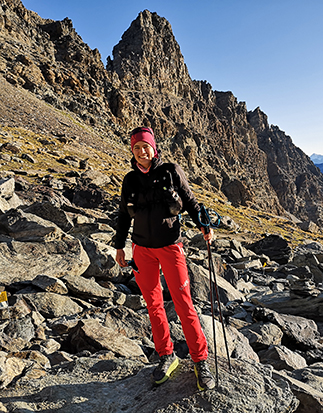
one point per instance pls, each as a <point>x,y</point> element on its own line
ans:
<point>153,194</point>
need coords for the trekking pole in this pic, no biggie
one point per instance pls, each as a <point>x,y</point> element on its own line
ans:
<point>205,221</point>
<point>207,230</point>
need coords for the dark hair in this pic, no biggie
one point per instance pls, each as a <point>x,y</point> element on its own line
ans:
<point>141,129</point>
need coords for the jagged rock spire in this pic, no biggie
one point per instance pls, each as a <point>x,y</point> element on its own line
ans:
<point>148,56</point>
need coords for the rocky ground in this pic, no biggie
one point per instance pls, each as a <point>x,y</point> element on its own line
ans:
<point>75,335</point>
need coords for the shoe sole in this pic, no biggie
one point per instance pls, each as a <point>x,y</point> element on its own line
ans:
<point>198,383</point>
<point>170,370</point>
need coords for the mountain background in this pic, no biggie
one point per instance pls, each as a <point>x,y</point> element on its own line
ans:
<point>318,160</point>
<point>54,85</point>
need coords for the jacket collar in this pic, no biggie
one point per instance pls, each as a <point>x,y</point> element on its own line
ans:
<point>155,162</point>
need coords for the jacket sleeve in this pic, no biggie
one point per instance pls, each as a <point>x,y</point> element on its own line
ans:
<point>190,203</point>
<point>124,219</point>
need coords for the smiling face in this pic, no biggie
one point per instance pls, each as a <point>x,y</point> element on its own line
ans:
<point>143,153</point>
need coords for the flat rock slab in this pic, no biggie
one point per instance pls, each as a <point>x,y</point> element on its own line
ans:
<point>52,305</point>
<point>100,391</point>
<point>20,261</point>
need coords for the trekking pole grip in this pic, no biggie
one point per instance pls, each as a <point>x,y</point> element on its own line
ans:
<point>204,219</point>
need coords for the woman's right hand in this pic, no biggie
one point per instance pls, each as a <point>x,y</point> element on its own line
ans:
<point>121,258</point>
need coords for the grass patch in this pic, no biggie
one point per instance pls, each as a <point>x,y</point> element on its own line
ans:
<point>47,150</point>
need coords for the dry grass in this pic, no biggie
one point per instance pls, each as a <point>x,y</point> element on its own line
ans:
<point>46,150</point>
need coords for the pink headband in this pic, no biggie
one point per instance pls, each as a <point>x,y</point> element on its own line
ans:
<point>144,135</point>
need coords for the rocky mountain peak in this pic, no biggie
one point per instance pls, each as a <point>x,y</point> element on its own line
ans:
<point>258,120</point>
<point>148,56</point>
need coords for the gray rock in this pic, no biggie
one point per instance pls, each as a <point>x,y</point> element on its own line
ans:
<point>103,264</point>
<point>200,284</point>
<point>262,335</point>
<point>21,328</point>
<point>10,368</point>
<point>300,331</point>
<point>310,398</point>
<point>96,177</point>
<point>135,301</point>
<point>9,344</point>
<point>25,260</point>
<point>311,375</point>
<point>50,284</point>
<point>275,247</point>
<point>281,358</point>
<point>93,336</point>
<point>87,288</point>
<point>238,344</point>
<point>23,226</point>
<point>312,262</point>
<point>59,357</point>
<point>128,322</point>
<point>247,263</point>
<point>8,198</point>
<point>311,308</point>
<point>50,212</point>
<point>52,305</point>
<point>125,389</point>
<point>309,226</point>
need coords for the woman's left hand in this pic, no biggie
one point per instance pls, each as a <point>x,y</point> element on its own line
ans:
<point>209,236</point>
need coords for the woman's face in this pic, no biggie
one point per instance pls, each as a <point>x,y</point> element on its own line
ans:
<point>143,153</point>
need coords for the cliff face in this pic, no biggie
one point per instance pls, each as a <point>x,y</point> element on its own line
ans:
<point>206,131</point>
<point>297,182</point>
<point>219,144</point>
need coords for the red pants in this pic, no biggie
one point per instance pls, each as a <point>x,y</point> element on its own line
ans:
<point>172,261</point>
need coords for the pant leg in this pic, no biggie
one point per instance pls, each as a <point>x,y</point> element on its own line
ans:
<point>148,280</point>
<point>174,267</point>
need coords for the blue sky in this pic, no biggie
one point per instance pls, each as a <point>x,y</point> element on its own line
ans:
<point>268,53</point>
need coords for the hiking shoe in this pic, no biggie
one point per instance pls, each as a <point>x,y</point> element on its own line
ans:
<point>166,366</point>
<point>205,380</point>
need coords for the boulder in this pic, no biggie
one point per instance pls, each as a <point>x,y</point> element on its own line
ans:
<point>310,260</point>
<point>11,368</point>
<point>128,322</point>
<point>200,283</point>
<point>309,226</point>
<point>52,213</point>
<point>236,392</point>
<point>95,177</point>
<point>262,335</point>
<point>298,331</point>
<point>91,335</point>
<point>23,226</point>
<point>281,358</point>
<point>59,357</point>
<point>309,307</point>
<point>310,398</point>
<point>25,260</point>
<point>102,262</point>
<point>8,198</point>
<point>87,288</point>
<point>275,247</point>
<point>50,284</point>
<point>52,305</point>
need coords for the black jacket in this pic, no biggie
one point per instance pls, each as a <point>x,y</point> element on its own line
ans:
<point>154,226</point>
